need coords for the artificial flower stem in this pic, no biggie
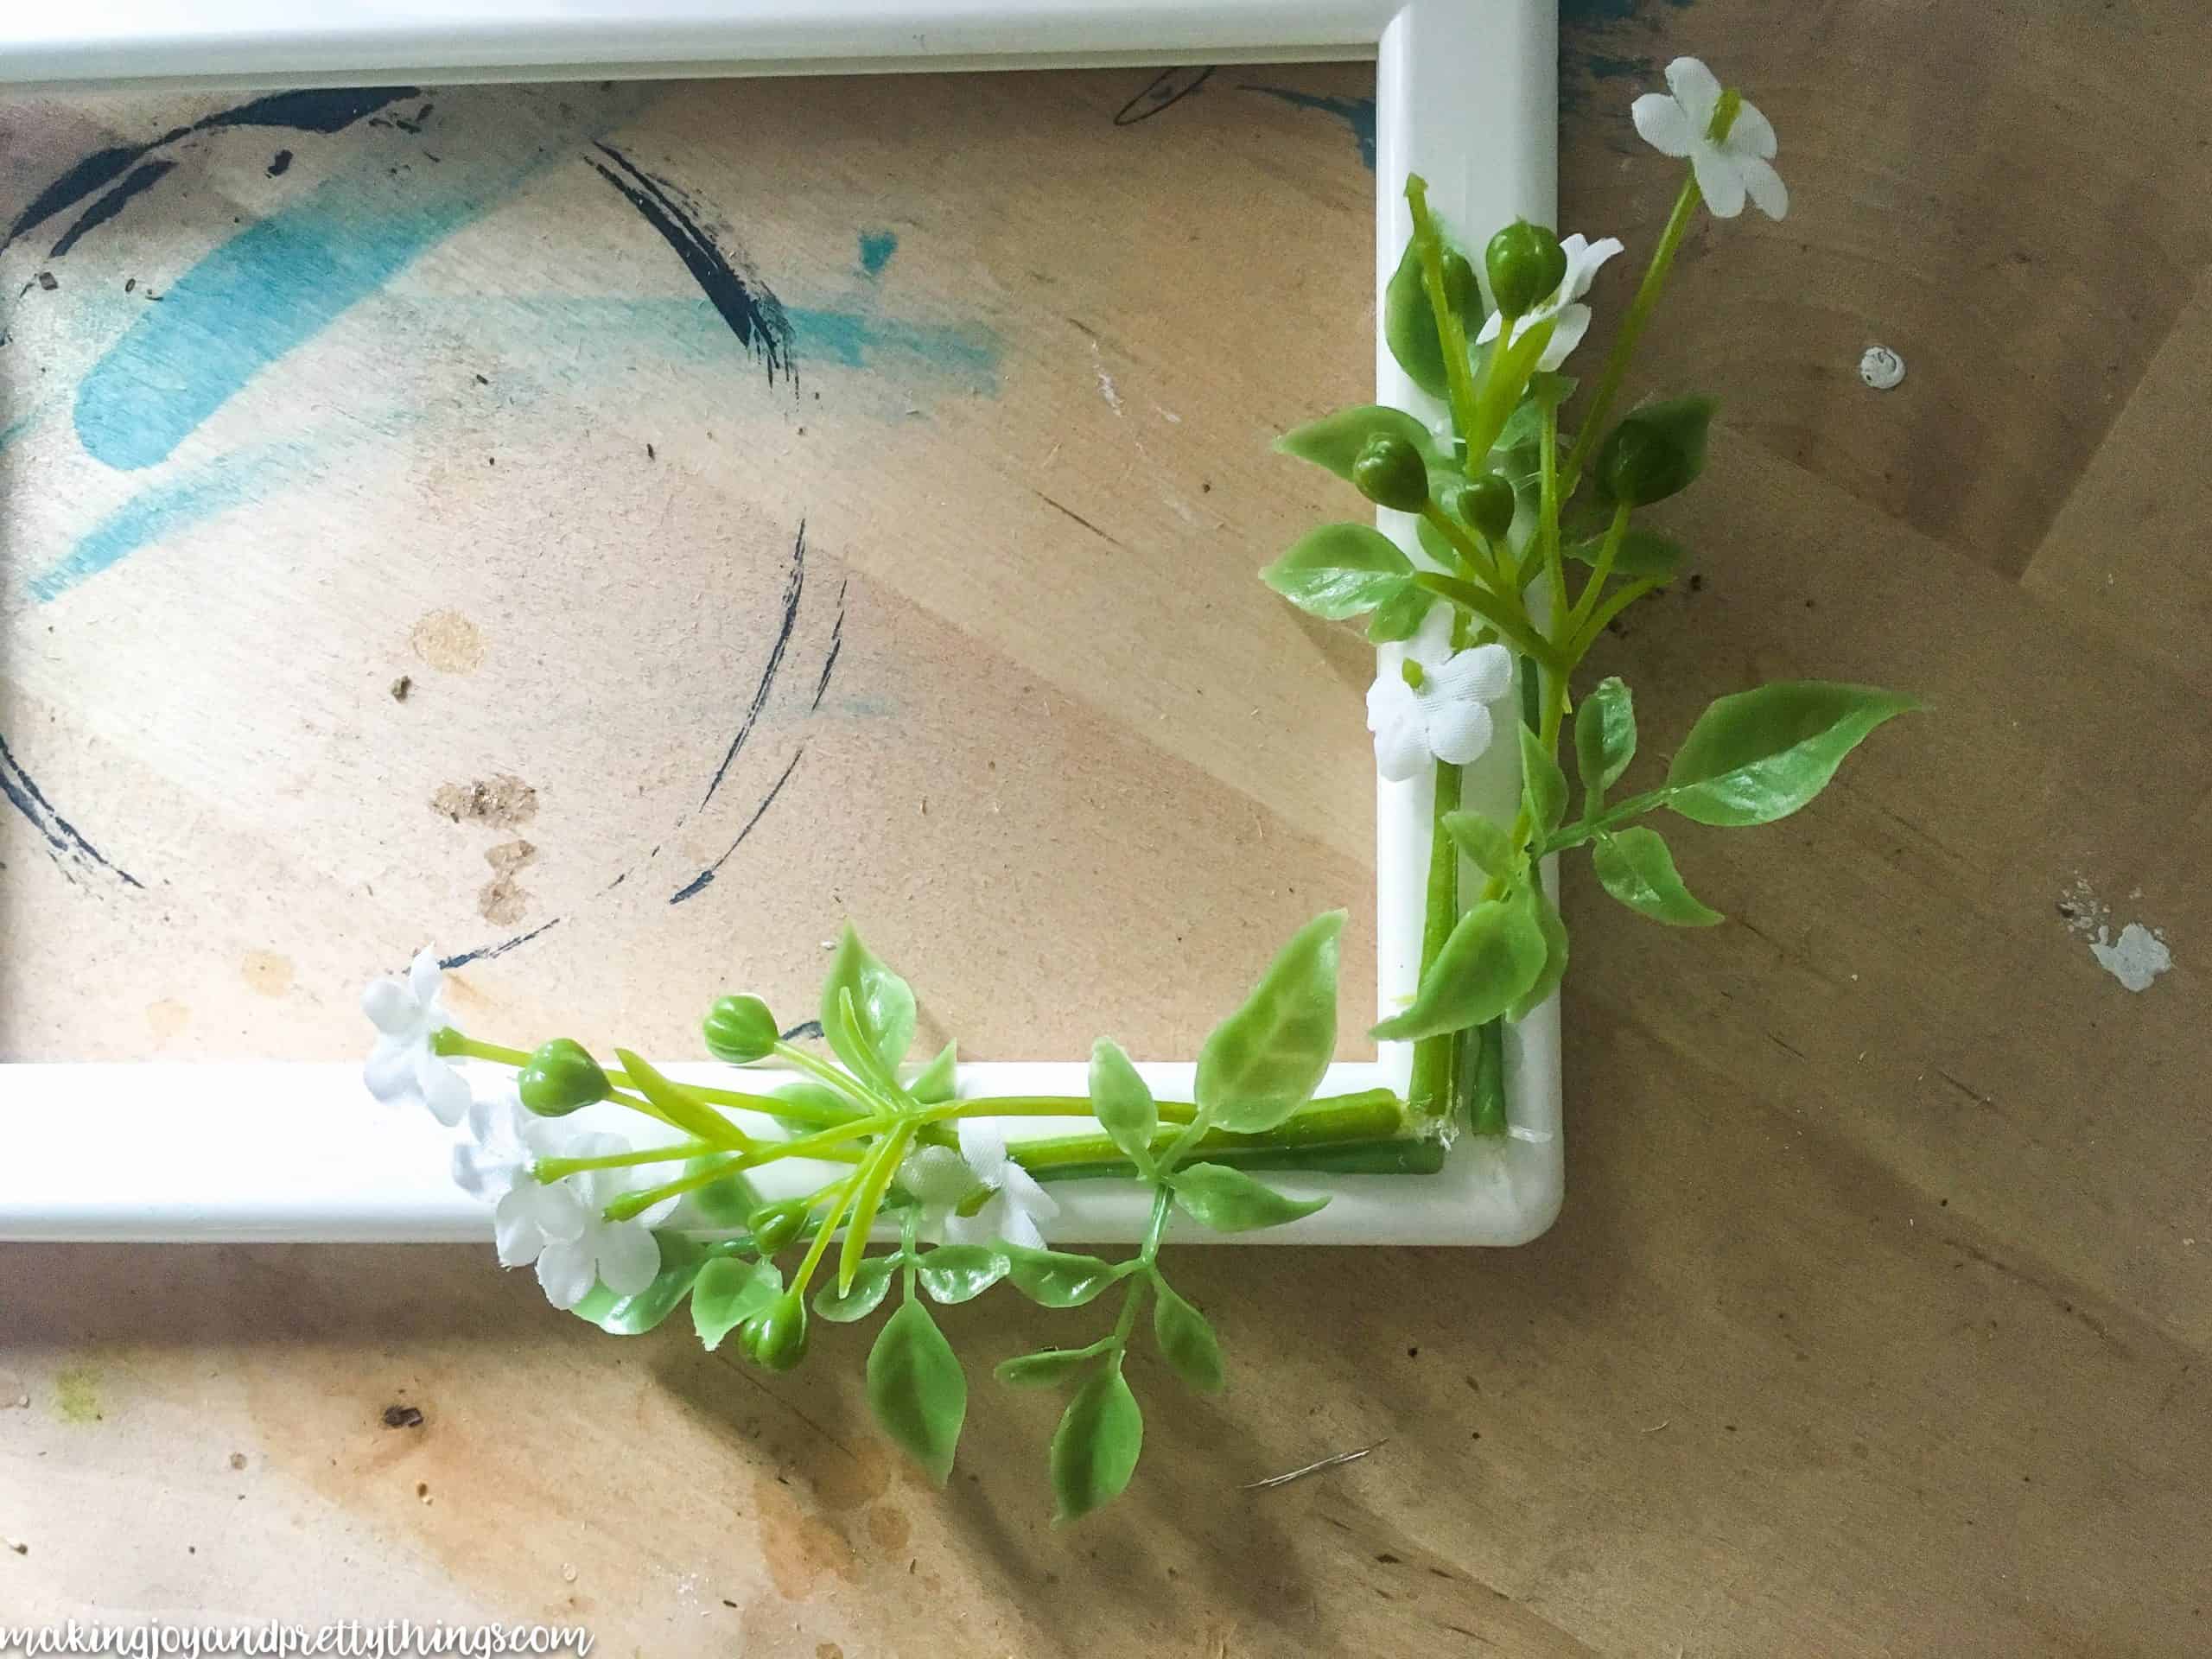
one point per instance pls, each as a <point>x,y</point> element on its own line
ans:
<point>1371,1115</point>
<point>1429,1090</point>
<point>558,1169</point>
<point>876,1176</point>
<point>1390,1155</point>
<point>1548,518</point>
<point>1492,610</point>
<point>844,1192</point>
<point>1486,1098</point>
<point>822,1144</point>
<point>1632,330</point>
<point>1171,1111</point>
<point>633,1205</point>
<point>1612,608</point>
<point>1578,619</point>
<point>837,1082</point>
<point>1569,836</point>
<point>452,1044</point>
<point>1450,330</point>
<point>1476,563</point>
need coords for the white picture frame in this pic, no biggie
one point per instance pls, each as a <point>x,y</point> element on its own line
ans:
<point>1466,94</point>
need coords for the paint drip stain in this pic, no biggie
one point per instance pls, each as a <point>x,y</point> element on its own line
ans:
<point>76,1394</point>
<point>2136,957</point>
<point>800,1549</point>
<point>267,972</point>
<point>166,1019</point>
<point>449,642</point>
<point>876,249</point>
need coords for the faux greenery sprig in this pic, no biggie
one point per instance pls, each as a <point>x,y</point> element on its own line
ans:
<point>864,1149</point>
<point>1499,511</point>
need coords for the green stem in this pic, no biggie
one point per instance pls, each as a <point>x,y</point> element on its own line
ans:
<point>1639,312</point>
<point>1473,559</point>
<point>874,1179</point>
<point>1612,608</point>
<point>844,1192</point>
<point>1392,1154</point>
<point>556,1169</point>
<point>1372,1115</point>
<point>454,1043</point>
<point>1493,611</point>
<point>630,1204</point>
<point>835,1080</point>
<point>1171,1111</point>
<point>1429,1091</point>
<point>1450,330</point>
<point>1486,1099</point>
<point>1548,517</point>
<point>1595,588</point>
<point>1573,834</point>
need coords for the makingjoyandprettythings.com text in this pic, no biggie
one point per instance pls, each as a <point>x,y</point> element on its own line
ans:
<point>348,1639</point>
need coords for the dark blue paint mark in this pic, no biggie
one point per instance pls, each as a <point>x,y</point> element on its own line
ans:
<point>876,249</point>
<point>794,585</point>
<point>855,340</point>
<point>160,510</point>
<point>1597,14</point>
<point>837,644</point>
<point>93,172</point>
<point>488,951</point>
<point>140,180</point>
<point>65,845</point>
<point>1165,90</point>
<point>805,1031</point>
<point>1357,113</point>
<point>280,164</point>
<point>699,883</point>
<point>753,314</point>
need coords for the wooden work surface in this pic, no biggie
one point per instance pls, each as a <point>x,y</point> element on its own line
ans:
<point>1876,1321</point>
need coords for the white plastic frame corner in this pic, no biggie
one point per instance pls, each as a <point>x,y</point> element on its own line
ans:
<point>1466,93</point>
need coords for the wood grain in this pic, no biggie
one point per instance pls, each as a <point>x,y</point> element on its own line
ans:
<point>1876,1322</point>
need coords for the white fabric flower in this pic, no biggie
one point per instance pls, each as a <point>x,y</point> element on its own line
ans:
<point>403,1066</point>
<point>941,1178</point>
<point>1570,319</point>
<point>559,1225</point>
<point>1740,165</point>
<point>1444,718</point>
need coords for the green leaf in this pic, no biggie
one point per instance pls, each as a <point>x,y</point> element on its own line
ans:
<point>1553,932</point>
<point>632,1316</point>
<point>1409,327</point>
<point>1483,839</point>
<point>1605,741</point>
<point>1438,547</point>
<point>729,1201</point>
<point>1046,1368</point>
<point>1122,1103</point>
<point>916,1389</point>
<point>1056,1279</point>
<point>1542,785</point>
<point>874,1039</point>
<point>1525,424</point>
<point>1335,440</point>
<point>1186,1341</point>
<point>729,1291</point>
<point>816,1095</point>
<point>960,1273</point>
<point>1636,867</point>
<point>686,1111</point>
<point>1399,617</point>
<point>1340,570</point>
<point>1095,1448</point>
<point>1230,1201</point>
<point>1265,1061</point>
<point>1492,958</point>
<point>1640,555</point>
<point>871,1281</point>
<point>938,1081</point>
<point>1760,755</point>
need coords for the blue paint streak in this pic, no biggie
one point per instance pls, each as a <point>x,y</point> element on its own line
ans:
<point>1357,113</point>
<point>967,352</point>
<point>876,249</point>
<point>161,509</point>
<point>264,293</point>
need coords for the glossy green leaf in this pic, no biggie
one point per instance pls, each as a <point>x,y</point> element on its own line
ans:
<point>818,1096</point>
<point>1230,1201</point>
<point>1121,1103</point>
<point>1335,440</point>
<point>632,1316</point>
<point>1605,741</point>
<point>1399,617</point>
<point>916,1389</point>
<point>960,1273</point>
<point>1340,570</point>
<point>1492,958</point>
<point>1760,755</point>
<point>1186,1341</point>
<point>1095,1447</point>
<point>1046,1368</point>
<point>1641,554</point>
<point>727,1202</point>
<point>1636,867</point>
<point>1409,326</point>
<point>874,1039</point>
<point>1264,1061</point>
<point>1552,931</point>
<point>938,1081</point>
<point>729,1291</point>
<point>1542,785</point>
<point>1483,839</point>
<point>871,1282</point>
<point>1056,1279</point>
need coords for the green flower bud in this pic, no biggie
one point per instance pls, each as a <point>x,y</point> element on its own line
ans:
<point>1654,451</point>
<point>1390,473</point>
<point>1459,290</point>
<point>560,1078</point>
<point>1487,503</point>
<point>740,1029</point>
<point>775,1337</point>
<point>774,1225</point>
<point>1525,263</point>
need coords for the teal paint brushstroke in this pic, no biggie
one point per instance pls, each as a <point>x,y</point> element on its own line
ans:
<point>966,352</point>
<point>1357,113</point>
<point>161,509</point>
<point>264,293</point>
<point>876,249</point>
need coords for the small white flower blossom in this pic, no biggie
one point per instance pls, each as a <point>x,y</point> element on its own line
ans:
<point>941,1178</point>
<point>1740,165</point>
<point>559,1225</point>
<point>1569,317</point>
<point>403,1066</point>
<point>1444,718</point>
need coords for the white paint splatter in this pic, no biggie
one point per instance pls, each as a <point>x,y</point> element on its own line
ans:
<point>1881,368</point>
<point>1106,388</point>
<point>2136,959</point>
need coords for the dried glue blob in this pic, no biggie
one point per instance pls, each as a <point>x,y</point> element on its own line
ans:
<point>1881,368</point>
